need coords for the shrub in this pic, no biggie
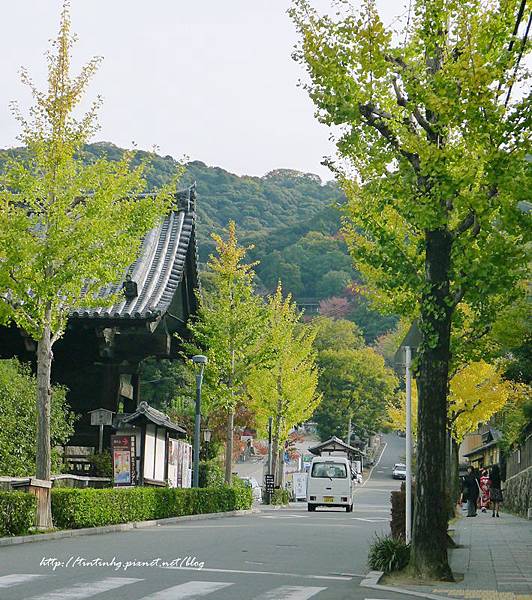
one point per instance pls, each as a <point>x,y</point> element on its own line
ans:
<point>388,554</point>
<point>18,420</point>
<point>75,508</point>
<point>101,464</point>
<point>398,500</point>
<point>17,512</point>
<point>280,496</point>
<point>210,474</point>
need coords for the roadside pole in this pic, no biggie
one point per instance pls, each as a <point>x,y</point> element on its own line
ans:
<point>197,429</point>
<point>270,422</point>
<point>408,524</point>
<point>199,365</point>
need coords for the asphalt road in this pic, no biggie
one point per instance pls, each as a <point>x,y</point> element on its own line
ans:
<point>287,554</point>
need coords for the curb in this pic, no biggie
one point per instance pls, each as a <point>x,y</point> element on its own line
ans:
<point>371,471</point>
<point>67,533</point>
<point>372,581</point>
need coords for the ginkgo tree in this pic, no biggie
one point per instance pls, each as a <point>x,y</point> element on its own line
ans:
<point>356,386</point>
<point>228,328</point>
<point>477,392</point>
<point>66,228</point>
<point>432,150</point>
<point>285,386</point>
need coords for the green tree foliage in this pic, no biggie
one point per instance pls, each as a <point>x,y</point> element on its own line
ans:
<point>66,228</point>
<point>515,419</point>
<point>324,265</point>
<point>372,322</point>
<point>285,388</point>
<point>433,219</point>
<point>292,210</point>
<point>18,421</point>
<point>388,343</point>
<point>511,336</point>
<point>228,329</point>
<point>164,382</point>
<point>357,386</point>
<point>337,334</point>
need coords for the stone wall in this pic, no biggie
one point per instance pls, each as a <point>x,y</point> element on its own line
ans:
<point>518,493</point>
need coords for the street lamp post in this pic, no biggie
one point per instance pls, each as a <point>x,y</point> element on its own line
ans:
<point>200,361</point>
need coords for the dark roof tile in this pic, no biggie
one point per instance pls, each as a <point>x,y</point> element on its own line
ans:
<point>158,271</point>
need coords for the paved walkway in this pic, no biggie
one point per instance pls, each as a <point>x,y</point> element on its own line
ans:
<point>494,559</point>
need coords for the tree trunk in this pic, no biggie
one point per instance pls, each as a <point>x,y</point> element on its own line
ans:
<point>455,481</point>
<point>43,462</point>
<point>280,468</point>
<point>275,448</point>
<point>277,431</point>
<point>230,426</point>
<point>229,447</point>
<point>348,440</point>
<point>429,536</point>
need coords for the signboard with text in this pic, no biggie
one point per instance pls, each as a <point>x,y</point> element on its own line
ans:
<point>123,452</point>
<point>269,483</point>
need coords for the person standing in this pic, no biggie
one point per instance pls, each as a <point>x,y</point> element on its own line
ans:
<point>495,490</point>
<point>470,491</point>
<point>485,483</point>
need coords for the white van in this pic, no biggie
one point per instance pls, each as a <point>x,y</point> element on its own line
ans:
<point>330,483</point>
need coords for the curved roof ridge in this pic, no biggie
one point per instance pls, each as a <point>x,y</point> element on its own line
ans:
<point>158,269</point>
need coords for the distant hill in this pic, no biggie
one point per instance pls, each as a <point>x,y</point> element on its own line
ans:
<point>292,218</point>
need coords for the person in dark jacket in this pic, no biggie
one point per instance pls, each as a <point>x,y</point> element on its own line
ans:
<point>470,492</point>
<point>495,489</point>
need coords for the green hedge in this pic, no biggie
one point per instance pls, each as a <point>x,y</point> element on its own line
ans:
<point>76,508</point>
<point>17,512</point>
<point>210,474</point>
<point>280,497</point>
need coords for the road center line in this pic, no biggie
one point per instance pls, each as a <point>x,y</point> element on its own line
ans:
<point>245,572</point>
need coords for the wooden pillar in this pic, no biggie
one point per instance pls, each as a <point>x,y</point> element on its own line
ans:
<point>135,382</point>
<point>110,387</point>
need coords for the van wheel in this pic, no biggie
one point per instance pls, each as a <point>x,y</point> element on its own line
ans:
<point>349,508</point>
<point>311,508</point>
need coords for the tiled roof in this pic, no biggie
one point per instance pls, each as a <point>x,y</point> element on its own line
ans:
<point>158,270</point>
<point>334,444</point>
<point>155,416</point>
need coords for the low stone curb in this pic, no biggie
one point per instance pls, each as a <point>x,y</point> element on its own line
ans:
<point>67,533</point>
<point>372,581</point>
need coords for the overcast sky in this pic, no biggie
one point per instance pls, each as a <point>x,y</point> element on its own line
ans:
<point>209,79</point>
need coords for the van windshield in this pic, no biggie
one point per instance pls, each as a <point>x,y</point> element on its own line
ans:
<point>329,470</point>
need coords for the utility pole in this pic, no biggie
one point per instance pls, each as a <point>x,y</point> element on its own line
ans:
<point>200,361</point>
<point>403,358</point>
<point>270,421</point>
<point>408,374</point>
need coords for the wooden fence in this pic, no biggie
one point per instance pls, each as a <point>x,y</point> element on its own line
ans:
<point>520,459</point>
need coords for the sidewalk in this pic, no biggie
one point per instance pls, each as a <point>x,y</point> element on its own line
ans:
<point>494,559</point>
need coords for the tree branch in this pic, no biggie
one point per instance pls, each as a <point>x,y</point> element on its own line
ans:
<point>469,221</point>
<point>403,100</point>
<point>464,410</point>
<point>373,119</point>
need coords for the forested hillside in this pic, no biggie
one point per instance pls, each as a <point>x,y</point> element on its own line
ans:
<point>291,218</point>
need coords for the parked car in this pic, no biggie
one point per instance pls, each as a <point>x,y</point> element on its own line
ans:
<point>256,490</point>
<point>399,471</point>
